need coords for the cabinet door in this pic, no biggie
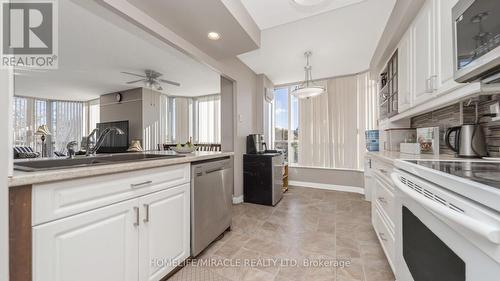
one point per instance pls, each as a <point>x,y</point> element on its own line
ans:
<point>404,74</point>
<point>164,232</point>
<point>423,53</point>
<point>444,39</point>
<point>99,245</point>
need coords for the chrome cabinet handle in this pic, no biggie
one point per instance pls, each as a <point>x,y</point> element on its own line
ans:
<point>146,219</point>
<point>382,236</point>
<point>142,184</point>
<point>382,200</point>
<point>383,171</point>
<point>136,209</point>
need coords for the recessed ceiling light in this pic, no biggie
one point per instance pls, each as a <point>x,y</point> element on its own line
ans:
<point>213,36</point>
<point>308,3</point>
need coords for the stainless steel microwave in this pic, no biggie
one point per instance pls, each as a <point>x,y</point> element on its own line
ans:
<point>477,40</point>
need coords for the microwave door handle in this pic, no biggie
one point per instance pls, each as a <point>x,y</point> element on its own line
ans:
<point>491,233</point>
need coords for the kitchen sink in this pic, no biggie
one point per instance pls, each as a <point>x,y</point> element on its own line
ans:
<point>55,164</point>
<point>138,157</point>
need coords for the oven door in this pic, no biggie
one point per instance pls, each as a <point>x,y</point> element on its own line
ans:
<point>430,246</point>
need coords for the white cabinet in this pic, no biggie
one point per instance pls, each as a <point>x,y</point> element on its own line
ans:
<point>404,72</point>
<point>444,45</point>
<point>164,232</point>
<point>424,77</point>
<point>383,207</point>
<point>99,245</point>
<point>141,238</point>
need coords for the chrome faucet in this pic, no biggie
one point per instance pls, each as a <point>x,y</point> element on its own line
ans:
<point>92,150</point>
<point>71,149</point>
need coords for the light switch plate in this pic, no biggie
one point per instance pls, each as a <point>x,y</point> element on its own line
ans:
<point>495,108</point>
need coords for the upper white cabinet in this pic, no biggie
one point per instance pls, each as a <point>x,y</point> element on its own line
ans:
<point>424,77</point>
<point>426,65</point>
<point>404,72</point>
<point>444,40</point>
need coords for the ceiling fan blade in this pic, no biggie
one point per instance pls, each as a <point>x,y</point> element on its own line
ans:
<point>170,82</point>
<point>135,81</point>
<point>129,73</point>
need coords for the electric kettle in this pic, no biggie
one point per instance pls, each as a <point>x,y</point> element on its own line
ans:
<point>470,141</point>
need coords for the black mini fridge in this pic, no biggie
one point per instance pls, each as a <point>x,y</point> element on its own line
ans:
<point>263,178</point>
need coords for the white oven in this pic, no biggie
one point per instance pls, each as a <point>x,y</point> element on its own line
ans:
<point>443,236</point>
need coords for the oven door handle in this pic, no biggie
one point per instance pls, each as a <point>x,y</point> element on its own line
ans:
<point>487,231</point>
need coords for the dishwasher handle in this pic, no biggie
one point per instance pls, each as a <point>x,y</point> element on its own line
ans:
<point>214,170</point>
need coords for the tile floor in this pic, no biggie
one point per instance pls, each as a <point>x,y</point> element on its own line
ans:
<point>308,226</point>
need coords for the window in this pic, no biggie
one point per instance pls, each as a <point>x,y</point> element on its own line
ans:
<point>328,130</point>
<point>198,117</point>
<point>208,119</point>
<point>66,121</point>
<point>67,124</point>
<point>281,120</point>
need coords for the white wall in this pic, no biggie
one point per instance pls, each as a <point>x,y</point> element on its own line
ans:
<point>6,93</point>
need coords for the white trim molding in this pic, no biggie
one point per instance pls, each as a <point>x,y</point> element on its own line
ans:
<point>343,188</point>
<point>237,200</point>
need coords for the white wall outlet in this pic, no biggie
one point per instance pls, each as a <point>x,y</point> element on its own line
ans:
<point>495,108</point>
<point>240,118</point>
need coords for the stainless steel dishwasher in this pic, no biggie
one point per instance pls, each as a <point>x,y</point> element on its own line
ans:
<point>211,201</point>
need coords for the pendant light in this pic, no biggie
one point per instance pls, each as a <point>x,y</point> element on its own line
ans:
<point>308,89</point>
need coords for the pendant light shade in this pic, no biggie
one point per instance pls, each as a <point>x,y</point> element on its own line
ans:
<point>308,89</point>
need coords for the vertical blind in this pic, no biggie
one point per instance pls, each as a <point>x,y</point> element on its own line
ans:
<point>208,119</point>
<point>198,117</point>
<point>67,123</point>
<point>332,125</point>
<point>66,120</point>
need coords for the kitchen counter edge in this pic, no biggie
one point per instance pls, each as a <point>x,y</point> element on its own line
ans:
<point>30,178</point>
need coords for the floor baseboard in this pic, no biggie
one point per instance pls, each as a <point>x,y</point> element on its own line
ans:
<point>344,188</point>
<point>238,200</point>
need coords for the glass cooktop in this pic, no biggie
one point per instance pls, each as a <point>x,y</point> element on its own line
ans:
<point>487,173</point>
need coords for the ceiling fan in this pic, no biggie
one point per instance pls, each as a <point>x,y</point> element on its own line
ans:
<point>151,79</point>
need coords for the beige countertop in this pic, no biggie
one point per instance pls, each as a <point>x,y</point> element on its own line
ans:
<point>20,178</point>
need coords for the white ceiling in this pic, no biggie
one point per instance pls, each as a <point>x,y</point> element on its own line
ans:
<point>193,19</point>
<point>342,42</point>
<point>272,13</point>
<point>95,45</point>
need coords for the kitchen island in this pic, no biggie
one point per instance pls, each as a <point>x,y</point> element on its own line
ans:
<point>106,222</point>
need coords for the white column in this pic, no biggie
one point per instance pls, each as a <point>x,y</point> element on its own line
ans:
<point>6,94</point>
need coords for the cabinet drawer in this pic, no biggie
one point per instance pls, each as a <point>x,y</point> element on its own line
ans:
<point>385,236</point>
<point>383,170</point>
<point>56,200</point>
<point>385,199</point>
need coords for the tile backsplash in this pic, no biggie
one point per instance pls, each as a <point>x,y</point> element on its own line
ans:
<point>458,114</point>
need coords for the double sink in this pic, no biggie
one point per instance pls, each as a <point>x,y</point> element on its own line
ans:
<point>55,164</point>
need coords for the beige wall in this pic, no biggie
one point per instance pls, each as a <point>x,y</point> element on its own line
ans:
<point>262,83</point>
<point>245,91</point>
<point>327,176</point>
<point>227,114</point>
<point>130,108</point>
<point>244,78</point>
